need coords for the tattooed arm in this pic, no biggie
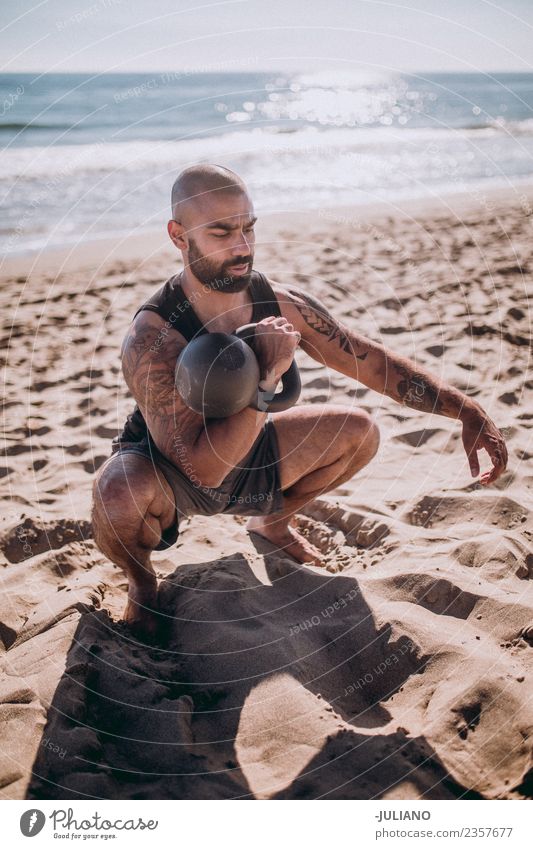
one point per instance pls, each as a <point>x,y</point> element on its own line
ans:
<point>336,346</point>
<point>328,341</point>
<point>206,451</point>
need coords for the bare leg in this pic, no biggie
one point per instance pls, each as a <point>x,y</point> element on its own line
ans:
<point>320,448</point>
<point>132,505</point>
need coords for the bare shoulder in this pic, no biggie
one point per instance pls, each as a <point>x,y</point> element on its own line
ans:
<point>321,331</point>
<point>295,301</point>
<point>305,311</point>
<point>149,338</point>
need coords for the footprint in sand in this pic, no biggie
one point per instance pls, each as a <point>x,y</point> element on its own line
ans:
<point>485,511</point>
<point>92,465</point>
<point>31,537</point>
<point>509,398</point>
<point>347,527</point>
<point>468,720</point>
<point>416,438</point>
<point>505,555</point>
<point>437,350</point>
<point>438,595</point>
<point>83,597</point>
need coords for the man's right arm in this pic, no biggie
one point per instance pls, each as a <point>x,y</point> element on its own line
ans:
<point>208,450</point>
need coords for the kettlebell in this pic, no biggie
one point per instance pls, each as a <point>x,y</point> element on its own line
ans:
<point>217,375</point>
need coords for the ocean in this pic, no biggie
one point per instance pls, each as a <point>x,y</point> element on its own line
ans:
<point>86,156</point>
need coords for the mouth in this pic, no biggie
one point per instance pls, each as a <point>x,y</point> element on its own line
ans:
<point>239,269</point>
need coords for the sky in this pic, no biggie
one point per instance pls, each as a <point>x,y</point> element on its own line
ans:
<point>169,35</point>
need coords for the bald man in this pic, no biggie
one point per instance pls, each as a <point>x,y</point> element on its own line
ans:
<point>170,462</point>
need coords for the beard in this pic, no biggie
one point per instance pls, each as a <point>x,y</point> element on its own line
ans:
<point>218,277</point>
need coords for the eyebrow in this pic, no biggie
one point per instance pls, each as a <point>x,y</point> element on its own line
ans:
<point>221,225</point>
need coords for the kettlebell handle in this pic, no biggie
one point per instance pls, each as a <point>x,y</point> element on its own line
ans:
<point>269,402</point>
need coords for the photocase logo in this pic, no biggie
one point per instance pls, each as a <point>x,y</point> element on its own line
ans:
<point>32,822</point>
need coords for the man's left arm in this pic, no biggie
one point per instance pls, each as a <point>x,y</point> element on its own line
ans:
<point>330,342</point>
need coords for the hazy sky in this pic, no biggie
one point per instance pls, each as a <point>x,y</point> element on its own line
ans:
<point>148,35</point>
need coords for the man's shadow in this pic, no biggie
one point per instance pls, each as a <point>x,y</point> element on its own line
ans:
<point>135,721</point>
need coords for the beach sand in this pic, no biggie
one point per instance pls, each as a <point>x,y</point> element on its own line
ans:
<point>401,670</point>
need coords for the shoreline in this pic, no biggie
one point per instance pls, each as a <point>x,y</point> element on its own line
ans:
<point>154,243</point>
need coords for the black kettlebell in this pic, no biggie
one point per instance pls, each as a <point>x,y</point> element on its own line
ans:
<point>217,375</point>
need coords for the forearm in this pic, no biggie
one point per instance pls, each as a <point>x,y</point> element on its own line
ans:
<point>205,450</point>
<point>391,374</point>
<point>222,443</point>
<point>413,386</point>
<point>327,340</point>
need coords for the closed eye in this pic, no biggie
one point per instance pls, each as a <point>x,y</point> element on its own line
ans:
<point>224,235</point>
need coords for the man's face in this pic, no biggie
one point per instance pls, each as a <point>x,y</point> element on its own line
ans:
<point>221,247</point>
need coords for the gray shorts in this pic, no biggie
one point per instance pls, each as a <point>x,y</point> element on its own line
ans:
<point>251,489</point>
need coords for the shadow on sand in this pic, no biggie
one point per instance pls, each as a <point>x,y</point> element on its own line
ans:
<point>135,721</point>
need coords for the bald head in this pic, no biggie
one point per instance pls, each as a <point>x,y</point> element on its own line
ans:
<point>212,225</point>
<point>199,183</point>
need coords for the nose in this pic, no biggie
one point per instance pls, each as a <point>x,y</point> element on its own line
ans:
<point>241,245</point>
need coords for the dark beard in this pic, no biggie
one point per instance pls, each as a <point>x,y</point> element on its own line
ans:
<point>217,277</point>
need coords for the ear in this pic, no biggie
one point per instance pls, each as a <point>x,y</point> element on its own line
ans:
<point>178,235</point>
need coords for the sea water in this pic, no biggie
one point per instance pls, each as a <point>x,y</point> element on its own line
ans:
<point>85,156</point>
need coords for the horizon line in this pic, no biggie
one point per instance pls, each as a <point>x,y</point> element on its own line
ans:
<point>189,70</point>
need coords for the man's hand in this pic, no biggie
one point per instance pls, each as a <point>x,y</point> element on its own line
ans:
<point>275,342</point>
<point>479,431</point>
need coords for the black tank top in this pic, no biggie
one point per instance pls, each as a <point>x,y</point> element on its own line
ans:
<point>170,303</point>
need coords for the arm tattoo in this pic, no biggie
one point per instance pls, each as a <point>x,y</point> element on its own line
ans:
<point>135,346</point>
<point>416,390</point>
<point>319,319</point>
<point>148,368</point>
<point>159,390</point>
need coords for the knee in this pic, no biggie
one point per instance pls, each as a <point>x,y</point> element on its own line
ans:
<point>364,435</point>
<point>119,504</point>
<point>372,437</point>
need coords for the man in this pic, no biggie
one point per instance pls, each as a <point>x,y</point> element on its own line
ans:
<point>170,462</point>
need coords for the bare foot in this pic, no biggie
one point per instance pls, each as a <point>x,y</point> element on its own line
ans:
<point>141,612</point>
<point>286,539</point>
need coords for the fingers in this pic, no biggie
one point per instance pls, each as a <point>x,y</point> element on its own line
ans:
<point>494,444</point>
<point>471,453</point>
<point>276,320</point>
<point>474,464</point>
<point>497,450</point>
<point>489,477</point>
<point>499,460</point>
<point>280,323</point>
<point>290,329</point>
<point>505,453</point>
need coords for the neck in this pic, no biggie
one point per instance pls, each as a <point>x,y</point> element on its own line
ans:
<point>211,303</point>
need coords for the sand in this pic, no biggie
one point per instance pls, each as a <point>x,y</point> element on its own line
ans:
<point>401,670</point>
